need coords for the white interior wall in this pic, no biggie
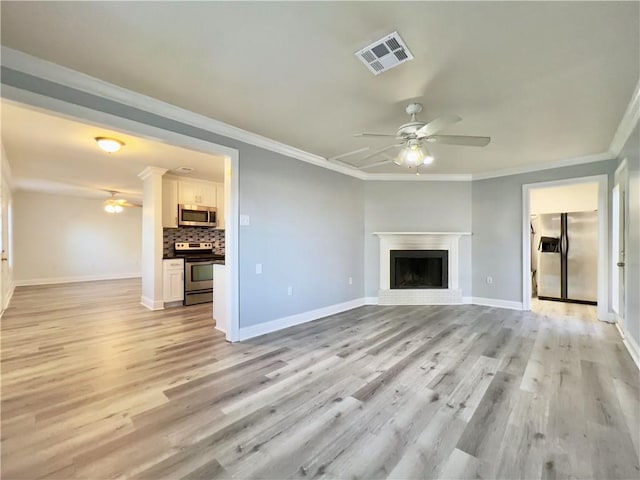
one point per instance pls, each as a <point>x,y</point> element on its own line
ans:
<point>567,198</point>
<point>6,201</point>
<point>61,238</point>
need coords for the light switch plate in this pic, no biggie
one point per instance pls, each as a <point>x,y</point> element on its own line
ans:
<point>258,268</point>
<point>244,220</point>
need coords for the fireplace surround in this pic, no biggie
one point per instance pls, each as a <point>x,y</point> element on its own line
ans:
<point>415,291</point>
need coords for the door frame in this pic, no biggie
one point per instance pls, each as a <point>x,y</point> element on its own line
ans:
<point>620,178</point>
<point>603,307</point>
<point>231,182</point>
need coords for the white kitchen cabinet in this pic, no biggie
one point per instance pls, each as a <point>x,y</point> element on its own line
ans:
<point>169,203</point>
<point>173,280</point>
<point>220,204</point>
<point>197,193</point>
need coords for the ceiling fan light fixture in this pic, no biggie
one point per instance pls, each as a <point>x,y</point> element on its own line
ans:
<point>399,160</point>
<point>109,145</point>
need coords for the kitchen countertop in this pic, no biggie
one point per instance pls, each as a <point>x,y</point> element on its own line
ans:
<point>171,256</point>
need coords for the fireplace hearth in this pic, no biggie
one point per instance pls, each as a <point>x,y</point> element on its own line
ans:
<point>418,269</point>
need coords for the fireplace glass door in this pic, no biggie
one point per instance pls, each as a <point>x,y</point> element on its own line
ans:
<point>419,269</point>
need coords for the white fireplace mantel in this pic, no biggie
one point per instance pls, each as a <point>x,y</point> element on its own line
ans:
<point>420,241</point>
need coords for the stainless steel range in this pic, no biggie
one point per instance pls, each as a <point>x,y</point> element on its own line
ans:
<point>198,266</point>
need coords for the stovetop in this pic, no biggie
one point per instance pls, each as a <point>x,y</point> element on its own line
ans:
<point>196,256</point>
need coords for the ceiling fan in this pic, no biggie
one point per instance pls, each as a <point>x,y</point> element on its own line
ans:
<point>412,137</point>
<point>116,205</point>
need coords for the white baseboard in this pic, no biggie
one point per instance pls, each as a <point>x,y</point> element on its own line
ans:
<point>151,304</point>
<point>371,300</point>
<point>610,317</point>
<point>630,343</point>
<point>7,300</point>
<point>467,300</point>
<point>304,317</point>
<point>81,278</point>
<point>494,302</point>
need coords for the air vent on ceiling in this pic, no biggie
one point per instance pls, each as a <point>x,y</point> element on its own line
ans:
<point>184,170</point>
<point>388,52</point>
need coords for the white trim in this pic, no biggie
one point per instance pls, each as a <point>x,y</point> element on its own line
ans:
<point>421,233</point>
<point>630,344</point>
<point>423,177</point>
<point>7,300</point>
<point>80,278</point>
<point>495,302</point>
<point>297,319</point>
<point>603,238</point>
<point>149,171</point>
<point>28,64</point>
<point>151,304</point>
<point>567,162</point>
<point>78,112</point>
<point>371,300</point>
<point>31,65</point>
<point>627,123</point>
<point>467,300</point>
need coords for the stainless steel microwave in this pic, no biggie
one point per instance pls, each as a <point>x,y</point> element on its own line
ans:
<point>196,216</point>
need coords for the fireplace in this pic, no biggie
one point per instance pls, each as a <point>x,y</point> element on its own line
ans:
<point>431,268</point>
<point>419,269</point>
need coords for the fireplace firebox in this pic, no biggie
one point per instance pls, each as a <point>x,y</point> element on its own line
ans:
<point>419,269</point>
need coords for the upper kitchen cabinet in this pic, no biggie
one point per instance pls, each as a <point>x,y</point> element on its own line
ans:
<point>169,203</point>
<point>197,193</point>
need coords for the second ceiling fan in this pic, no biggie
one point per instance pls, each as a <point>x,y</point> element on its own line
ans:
<point>412,137</point>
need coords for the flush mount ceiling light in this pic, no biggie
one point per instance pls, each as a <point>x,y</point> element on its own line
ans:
<point>109,145</point>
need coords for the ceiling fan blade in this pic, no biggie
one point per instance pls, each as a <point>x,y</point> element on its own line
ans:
<point>375,135</point>
<point>377,164</point>
<point>437,125</point>
<point>378,152</point>
<point>464,140</point>
<point>348,154</point>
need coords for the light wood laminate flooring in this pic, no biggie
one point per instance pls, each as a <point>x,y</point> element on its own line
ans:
<point>95,386</point>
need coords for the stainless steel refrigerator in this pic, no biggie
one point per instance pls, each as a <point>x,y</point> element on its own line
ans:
<point>568,257</point>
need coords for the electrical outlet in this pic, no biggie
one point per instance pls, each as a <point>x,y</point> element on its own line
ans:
<point>350,280</point>
<point>490,280</point>
<point>290,291</point>
<point>245,220</point>
<point>258,268</point>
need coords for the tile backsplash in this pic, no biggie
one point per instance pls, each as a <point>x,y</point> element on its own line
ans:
<point>192,234</point>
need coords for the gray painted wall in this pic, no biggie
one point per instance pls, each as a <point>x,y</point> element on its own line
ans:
<point>306,221</point>
<point>631,152</point>
<point>306,229</point>
<point>497,227</point>
<point>416,206</point>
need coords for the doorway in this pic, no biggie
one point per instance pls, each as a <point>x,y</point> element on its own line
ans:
<point>229,192</point>
<point>565,254</point>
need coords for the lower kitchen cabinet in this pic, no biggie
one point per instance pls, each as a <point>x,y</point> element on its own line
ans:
<point>173,280</point>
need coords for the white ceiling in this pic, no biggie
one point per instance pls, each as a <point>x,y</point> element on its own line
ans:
<point>57,155</point>
<point>547,81</point>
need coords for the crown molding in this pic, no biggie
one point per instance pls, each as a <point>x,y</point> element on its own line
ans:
<point>412,177</point>
<point>151,171</point>
<point>567,162</point>
<point>627,124</point>
<point>37,67</point>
